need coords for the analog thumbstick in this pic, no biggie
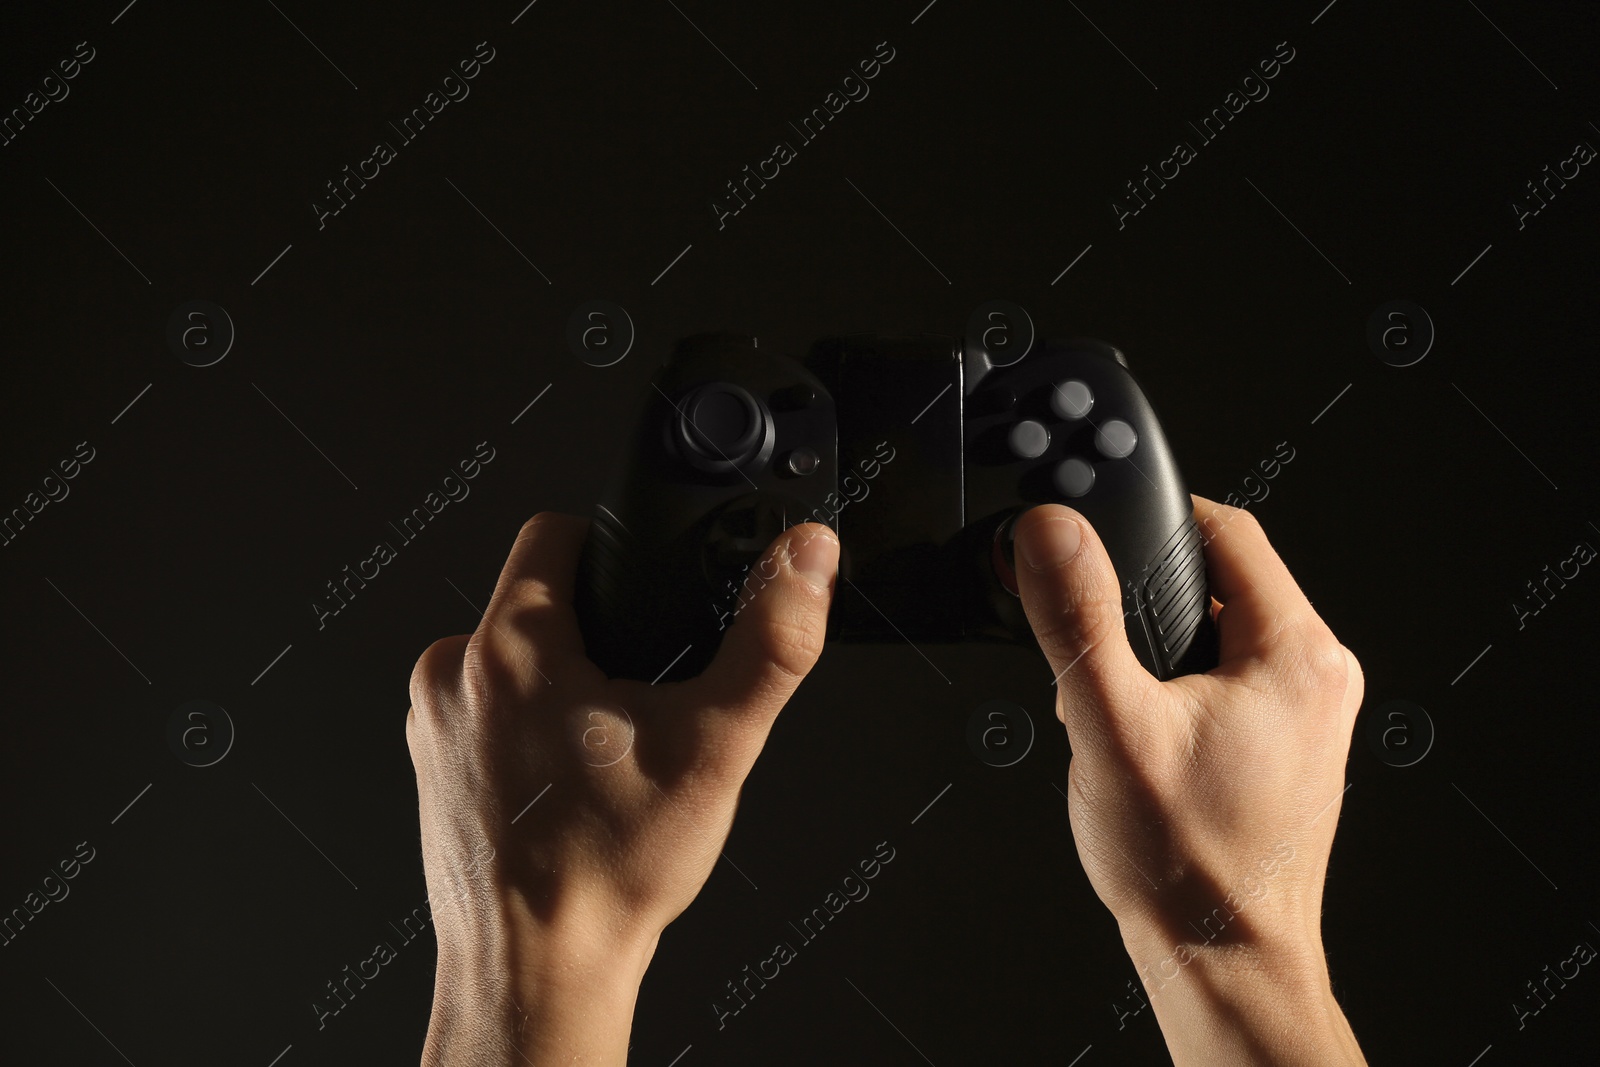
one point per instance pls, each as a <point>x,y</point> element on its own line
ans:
<point>722,427</point>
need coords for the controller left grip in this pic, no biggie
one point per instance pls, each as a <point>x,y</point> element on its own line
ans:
<point>600,594</point>
<point>630,600</point>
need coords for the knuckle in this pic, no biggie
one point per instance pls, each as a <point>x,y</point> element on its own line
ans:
<point>1083,621</point>
<point>1053,629</point>
<point>532,525</point>
<point>791,646</point>
<point>1102,621</point>
<point>522,602</point>
<point>489,668</point>
<point>531,612</point>
<point>1219,517</point>
<point>1209,517</point>
<point>436,668</point>
<point>541,524</point>
<point>1355,677</point>
<point>530,530</point>
<point>1319,661</point>
<point>1245,520</point>
<point>419,739</point>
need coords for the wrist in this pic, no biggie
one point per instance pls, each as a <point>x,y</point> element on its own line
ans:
<point>1227,946</point>
<point>1294,967</point>
<point>514,987</point>
<point>1256,1001</point>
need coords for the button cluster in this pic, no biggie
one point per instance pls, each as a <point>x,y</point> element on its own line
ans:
<point>1072,400</point>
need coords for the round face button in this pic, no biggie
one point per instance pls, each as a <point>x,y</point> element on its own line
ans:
<point>1071,399</point>
<point>803,461</point>
<point>1074,477</point>
<point>1028,439</point>
<point>1116,439</point>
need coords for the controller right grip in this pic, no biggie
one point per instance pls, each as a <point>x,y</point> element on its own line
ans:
<point>1173,600</point>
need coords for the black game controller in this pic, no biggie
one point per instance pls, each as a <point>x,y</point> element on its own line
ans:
<point>919,452</point>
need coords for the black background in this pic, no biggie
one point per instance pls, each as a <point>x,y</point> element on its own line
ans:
<point>188,553</point>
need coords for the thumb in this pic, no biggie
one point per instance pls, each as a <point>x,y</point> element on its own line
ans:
<point>778,632</point>
<point>1074,604</point>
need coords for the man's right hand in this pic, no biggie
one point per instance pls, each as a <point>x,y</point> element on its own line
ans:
<point>1204,807</point>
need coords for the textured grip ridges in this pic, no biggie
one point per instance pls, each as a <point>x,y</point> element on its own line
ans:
<point>1176,596</point>
<point>604,594</point>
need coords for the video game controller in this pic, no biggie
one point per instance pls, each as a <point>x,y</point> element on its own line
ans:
<point>919,452</point>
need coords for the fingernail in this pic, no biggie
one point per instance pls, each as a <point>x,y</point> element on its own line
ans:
<point>816,556</point>
<point>1050,543</point>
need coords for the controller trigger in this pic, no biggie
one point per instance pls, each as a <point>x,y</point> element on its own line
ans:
<point>1104,349</point>
<point>793,397</point>
<point>1003,554</point>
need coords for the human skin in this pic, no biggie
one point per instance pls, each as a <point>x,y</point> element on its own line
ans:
<point>1203,807</point>
<point>548,915</point>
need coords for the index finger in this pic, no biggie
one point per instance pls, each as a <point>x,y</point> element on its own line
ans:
<point>1260,598</point>
<point>531,609</point>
